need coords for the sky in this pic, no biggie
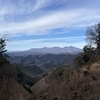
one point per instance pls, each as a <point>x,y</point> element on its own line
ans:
<point>47,23</point>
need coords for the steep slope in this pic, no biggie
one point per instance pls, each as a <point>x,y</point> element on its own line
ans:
<point>79,84</point>
<point>10,89</point>
<point>40,86</point>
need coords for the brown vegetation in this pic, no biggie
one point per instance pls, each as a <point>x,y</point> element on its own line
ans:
<point>82,84</point>
<point>10,89</point>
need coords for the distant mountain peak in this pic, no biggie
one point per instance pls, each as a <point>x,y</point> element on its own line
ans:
<point>46,50</point>
<point>55,47</point>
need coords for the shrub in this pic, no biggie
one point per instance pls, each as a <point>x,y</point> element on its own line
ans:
<point>58,72</point>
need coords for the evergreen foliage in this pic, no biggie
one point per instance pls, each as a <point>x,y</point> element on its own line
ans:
<point>2,46</point>
<point>3,56</point>
<point>58,71</point>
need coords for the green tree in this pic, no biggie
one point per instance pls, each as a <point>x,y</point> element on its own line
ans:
<point>89,53</point>
<point>88,48</point>
<point>58,71</point>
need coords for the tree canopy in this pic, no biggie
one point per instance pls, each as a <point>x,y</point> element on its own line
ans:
<point>92,49</point>
<point>93,36</point>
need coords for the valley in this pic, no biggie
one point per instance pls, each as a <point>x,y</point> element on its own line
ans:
<point>36,64</point>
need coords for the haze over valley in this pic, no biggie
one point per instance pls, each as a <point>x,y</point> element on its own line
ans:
<point>38,60</point>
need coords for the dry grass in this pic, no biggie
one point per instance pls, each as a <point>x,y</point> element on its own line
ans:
<point>74,87</point>
<point>39,87</point>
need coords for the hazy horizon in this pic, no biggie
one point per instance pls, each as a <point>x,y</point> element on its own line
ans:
<point>39,48</point>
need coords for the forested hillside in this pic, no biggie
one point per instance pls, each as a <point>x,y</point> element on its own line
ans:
<point>37,64</point>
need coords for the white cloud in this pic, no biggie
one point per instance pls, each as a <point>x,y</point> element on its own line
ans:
<point>67,18</point>
<point>40,3</point>
<point>39,17</point>
<point>20,7</point>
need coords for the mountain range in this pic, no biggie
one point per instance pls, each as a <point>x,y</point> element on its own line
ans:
<point>47,50</point>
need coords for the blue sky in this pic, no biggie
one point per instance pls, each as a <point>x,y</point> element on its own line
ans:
<point>47,23</point>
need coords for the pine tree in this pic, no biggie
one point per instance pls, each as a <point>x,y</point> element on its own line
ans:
<point>2,51</point>
<point>2,46</point>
